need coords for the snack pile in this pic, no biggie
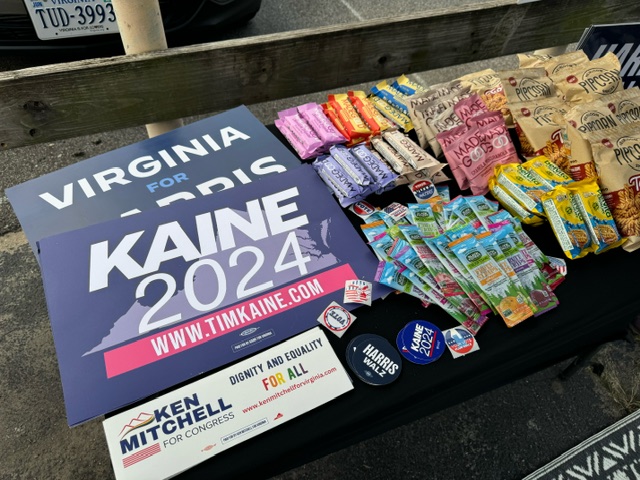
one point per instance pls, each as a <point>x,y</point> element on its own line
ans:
<point>465,255</point>
<point>556,140</point>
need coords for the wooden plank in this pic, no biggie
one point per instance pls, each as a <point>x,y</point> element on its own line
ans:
<point>79,98</point>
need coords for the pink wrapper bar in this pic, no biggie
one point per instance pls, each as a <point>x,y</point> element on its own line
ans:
<point>305,149</point>
<point>322,126</point>
<point>302,131</point>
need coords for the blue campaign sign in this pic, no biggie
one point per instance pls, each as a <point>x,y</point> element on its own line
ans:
<point>204,157</point>
<point>623,39</point>
<point>141,303</point>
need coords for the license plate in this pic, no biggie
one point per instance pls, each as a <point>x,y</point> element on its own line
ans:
<point>71,18</point>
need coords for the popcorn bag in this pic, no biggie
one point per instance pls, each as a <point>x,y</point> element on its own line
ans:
<point>616,153</point>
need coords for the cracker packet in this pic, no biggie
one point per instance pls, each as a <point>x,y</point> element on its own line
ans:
<point>616,153</point>
<point>598,219</point>
<point>546,172</point>
<point>538,129</point>
<point>587,81</point>
<point>509,302</point>
<point>567,222</point>
<point>521,186</point>
<point>510,204</point>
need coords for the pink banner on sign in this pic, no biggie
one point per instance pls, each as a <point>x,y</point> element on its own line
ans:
<point>213,325</point>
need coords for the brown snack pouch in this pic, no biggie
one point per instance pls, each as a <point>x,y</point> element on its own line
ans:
<point>532,60</point>
<point>588,117</point>
<point>628,108</point>
<point>588,81</point>
<point>526,84</point>
<point>538,131</point>
<point>616,153</point>
<point>486,83</point>
<point>446,139</point>
<point>427,112</point>
<point>429,95</point>
<point>559,63</point>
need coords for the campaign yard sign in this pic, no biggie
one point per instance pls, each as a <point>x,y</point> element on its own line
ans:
<point>141,303</point>
<point>204,157</point>
<point>171,433</point>
<point>623,39</point>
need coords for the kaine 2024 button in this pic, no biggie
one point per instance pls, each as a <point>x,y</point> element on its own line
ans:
<point>421,342</point>
<point>374,360</point>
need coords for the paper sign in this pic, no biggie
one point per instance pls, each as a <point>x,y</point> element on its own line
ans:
<point>204,157</point>
<point>141,303</point>
<point>623,39</point>
<point>176,431</point>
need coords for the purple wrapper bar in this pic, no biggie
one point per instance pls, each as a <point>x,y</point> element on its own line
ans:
<point>382,175</point>
<point>351,165</point>
<point>345,188</point>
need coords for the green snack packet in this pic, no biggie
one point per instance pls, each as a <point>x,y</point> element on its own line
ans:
<point>501,292</point>
<point>530,276</point>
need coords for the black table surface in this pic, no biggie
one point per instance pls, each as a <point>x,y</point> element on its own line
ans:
<point>597,302</point>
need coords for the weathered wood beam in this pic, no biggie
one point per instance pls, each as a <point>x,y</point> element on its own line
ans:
<point>67,100</point>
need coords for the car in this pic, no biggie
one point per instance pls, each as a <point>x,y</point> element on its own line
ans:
<point>82,25</point>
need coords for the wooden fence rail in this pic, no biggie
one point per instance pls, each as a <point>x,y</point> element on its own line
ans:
<point>60,101</point>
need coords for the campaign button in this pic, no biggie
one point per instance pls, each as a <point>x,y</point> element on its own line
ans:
<point>460,341</point>
<point>375,361</point>
<point>423,340</point>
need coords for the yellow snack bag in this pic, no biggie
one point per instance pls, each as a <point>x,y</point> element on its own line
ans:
<point>511,205</point>
<point>567,222</point>
<point>546,172</point>
<point>522,186</point>
<point>597,216</point>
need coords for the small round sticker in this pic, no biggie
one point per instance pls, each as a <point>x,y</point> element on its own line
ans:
<point>459,340</point>
<point>374,360</point>
<point>422,341</point>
